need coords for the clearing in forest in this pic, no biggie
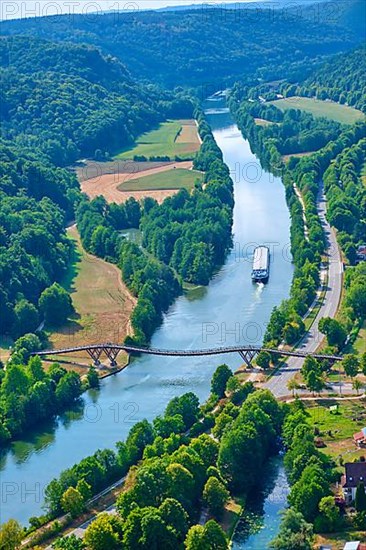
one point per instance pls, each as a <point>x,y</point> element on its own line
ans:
<point>286,158</point>
<point>178,178</point>
<point>172,138</point>
<point>318,108</point>
<point>114,186</point>
<point>263,122</point>
<point>102,302</point>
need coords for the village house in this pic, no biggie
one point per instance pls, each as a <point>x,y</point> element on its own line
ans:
<point>361,253</point>
<point>355,474</point>
<point>360,438</point>
<point>354,545</point>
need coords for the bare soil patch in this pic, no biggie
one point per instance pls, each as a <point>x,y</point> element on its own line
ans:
<point>189,134</point>
<point>286,158</point>
<point>90,169</point>
<point>107,184</point>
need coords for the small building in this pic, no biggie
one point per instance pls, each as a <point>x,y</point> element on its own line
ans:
<point>355,474</point>
<point>354,545</point>
<point>361,253</point>
<point>360,438</point>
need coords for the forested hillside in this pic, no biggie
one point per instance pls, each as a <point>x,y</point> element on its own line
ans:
<point>35,199</point>
<point>58,102</point>
<point>68,100</point>
<point>342,79</point>
<point>289,133</point>
<point>200,47</point>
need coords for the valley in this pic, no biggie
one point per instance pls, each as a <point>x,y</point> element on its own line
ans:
<point>144,157</point>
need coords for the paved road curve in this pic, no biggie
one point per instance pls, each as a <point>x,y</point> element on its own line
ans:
<point>311,341</point>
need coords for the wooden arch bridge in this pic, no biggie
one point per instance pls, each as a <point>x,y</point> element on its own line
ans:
<point>111,351</point>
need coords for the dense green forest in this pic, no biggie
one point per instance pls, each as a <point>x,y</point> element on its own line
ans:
<point>29,394</point>
<point>203,47</point>
<point>36,198</point>
<point>176,469</point>
<point>340,80</point>
<point>58,101</point>
<point>346,196</point>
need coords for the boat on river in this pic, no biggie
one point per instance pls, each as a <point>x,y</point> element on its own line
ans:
<point>260,272</point>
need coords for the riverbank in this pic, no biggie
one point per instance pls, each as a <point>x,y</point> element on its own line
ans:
<point>103,306</point>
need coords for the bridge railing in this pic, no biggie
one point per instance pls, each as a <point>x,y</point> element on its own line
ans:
<point>112,350</point>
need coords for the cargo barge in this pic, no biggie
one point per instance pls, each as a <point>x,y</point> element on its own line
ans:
<point>260,273</point>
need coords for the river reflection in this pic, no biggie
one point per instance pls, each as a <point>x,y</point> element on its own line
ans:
<point>261,520</point>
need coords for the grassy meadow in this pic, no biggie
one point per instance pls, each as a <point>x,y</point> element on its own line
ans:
<point>172,179</point>
<point>172,138</point>
<point>102,303</point>
<point>318,108</point>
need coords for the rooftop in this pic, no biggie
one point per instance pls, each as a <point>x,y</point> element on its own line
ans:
<point>355,474</point>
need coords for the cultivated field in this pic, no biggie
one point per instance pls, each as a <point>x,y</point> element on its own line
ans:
<point>102,302</point>
<point>91,170</point>
<point>318,108</point>
<point>172,179</point>
<point>110,185</point>
<point>172,138</point>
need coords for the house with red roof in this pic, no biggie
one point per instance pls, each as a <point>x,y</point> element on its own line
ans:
<point>360,438</point>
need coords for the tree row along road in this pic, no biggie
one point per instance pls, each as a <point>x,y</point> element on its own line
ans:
<point>313,338</point>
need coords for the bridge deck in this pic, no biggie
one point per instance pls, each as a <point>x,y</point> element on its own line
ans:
<point>184,353</point>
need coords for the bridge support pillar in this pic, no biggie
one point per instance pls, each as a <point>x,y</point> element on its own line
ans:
<point>112,354</point>
<point>248,356</point>
<point>95,355</point>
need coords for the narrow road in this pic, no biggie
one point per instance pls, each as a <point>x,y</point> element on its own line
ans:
<point>80,531</point>
<point>312,339</point>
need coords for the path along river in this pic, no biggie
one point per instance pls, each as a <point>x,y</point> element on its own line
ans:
<point>230,311</point>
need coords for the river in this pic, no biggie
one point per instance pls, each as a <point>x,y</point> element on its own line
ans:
<point>231,310</point>
<point>261,519</point>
